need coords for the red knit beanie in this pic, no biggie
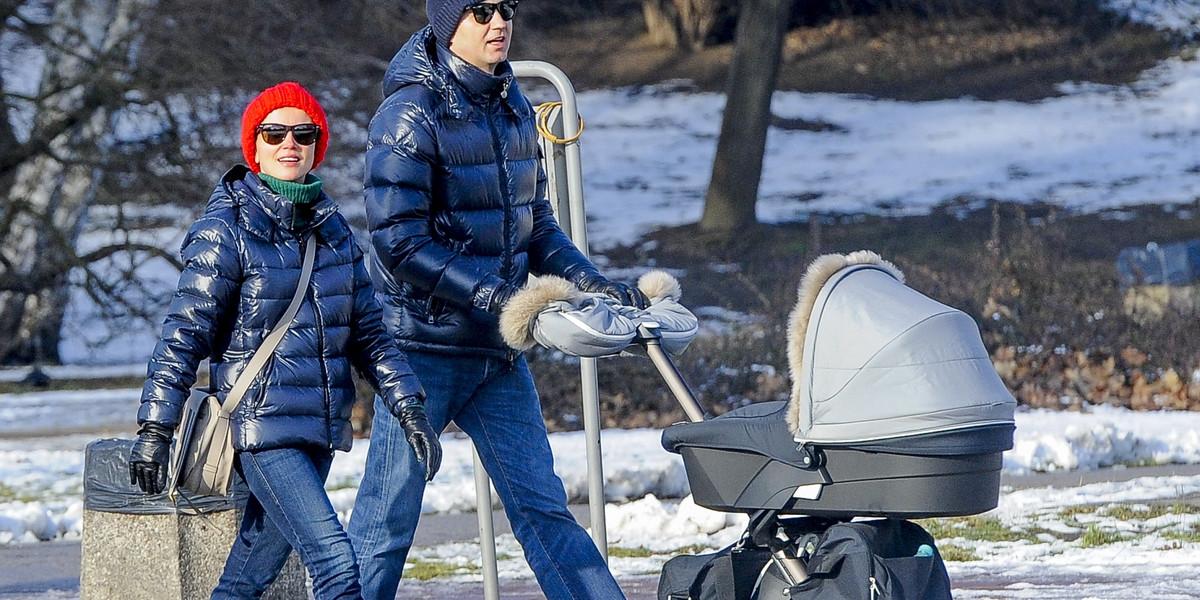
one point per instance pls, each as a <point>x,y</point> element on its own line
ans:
<point>288,93</point>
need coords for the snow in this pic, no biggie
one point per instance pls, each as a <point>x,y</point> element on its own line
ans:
<point>648,505</point>
<point>646,155</point>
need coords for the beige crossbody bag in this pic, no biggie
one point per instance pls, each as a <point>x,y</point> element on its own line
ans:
<point>202,457</point>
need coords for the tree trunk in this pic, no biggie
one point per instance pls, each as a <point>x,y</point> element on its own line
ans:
<point>696,20</point>
<point>685,24</point>
<point>47,205</point>
<point>737,167</point>
<point>662,22</point>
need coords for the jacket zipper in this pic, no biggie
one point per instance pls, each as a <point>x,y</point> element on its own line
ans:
<point>506,253</point>
<point>311,296</point>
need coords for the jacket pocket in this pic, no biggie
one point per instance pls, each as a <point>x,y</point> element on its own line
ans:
<point>435,309</point>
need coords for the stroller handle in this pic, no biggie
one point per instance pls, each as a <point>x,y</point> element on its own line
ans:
<point>649,338</point>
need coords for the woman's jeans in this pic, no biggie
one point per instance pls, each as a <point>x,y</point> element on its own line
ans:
<point>288,508</point>
<point>495,403</point>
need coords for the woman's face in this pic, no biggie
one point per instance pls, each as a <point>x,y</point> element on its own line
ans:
<point>289,160</point>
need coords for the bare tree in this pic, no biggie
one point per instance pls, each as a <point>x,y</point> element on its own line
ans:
<point>77,186</point>
<point>52,174</point>
<point>737,167</point>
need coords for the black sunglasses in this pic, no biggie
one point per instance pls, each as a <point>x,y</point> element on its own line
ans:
<point>305,134</point>
<point>484,10</point>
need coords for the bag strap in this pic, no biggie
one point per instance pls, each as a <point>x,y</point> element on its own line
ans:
<point>268,346</point>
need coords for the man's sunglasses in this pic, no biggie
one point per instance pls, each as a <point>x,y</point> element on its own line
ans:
<point>484,10</point>
<point>305,134</point>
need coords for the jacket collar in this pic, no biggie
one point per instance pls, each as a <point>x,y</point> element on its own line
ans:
<point>269,214</point>
<point>422,61</point>
<point>478,83</point>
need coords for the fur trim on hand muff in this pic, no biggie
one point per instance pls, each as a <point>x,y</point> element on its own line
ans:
<point>519,315</point>
<point>659,284</point>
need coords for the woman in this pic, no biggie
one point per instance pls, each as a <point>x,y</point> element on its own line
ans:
<point>242,262</point>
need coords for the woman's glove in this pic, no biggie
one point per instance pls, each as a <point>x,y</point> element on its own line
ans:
<point>625,294</point>
<point>421,436</point>
<point>149,456</point>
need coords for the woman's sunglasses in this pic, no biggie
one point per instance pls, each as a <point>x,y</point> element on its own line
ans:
<point>484,10</point>
<point>305,134</point>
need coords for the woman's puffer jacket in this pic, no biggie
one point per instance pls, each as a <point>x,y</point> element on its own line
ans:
<point>455,200</point>
<point>242,263</point>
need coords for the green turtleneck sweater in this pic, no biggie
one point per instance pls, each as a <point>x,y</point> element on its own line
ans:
<point>301,195</point>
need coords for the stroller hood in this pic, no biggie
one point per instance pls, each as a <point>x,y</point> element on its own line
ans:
<point>872,359</point>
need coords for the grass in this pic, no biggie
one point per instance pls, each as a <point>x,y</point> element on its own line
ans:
<point>1145,513</point>
<point>983,529</point>
<point>1189,535</point>
<point>1096,536</point>
<point>424,570</point>
<point>622,552</point>
<point>954,553</point>
<point>55,385</point>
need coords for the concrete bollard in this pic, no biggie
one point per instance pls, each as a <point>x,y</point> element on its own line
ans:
<point>141,546</point>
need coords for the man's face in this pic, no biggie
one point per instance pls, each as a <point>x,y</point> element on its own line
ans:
<point>484,45</point>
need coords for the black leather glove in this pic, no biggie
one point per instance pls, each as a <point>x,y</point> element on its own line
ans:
<point>149,456</point>
<point>421,436</point>
<point>503,293</point>
<point>625,294</point>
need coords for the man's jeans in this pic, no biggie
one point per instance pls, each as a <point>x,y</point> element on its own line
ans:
<point>496,404</point>
<point>288,508</point>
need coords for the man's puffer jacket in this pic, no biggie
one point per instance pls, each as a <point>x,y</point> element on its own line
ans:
<point>242,263</point>
<point>455,200</point>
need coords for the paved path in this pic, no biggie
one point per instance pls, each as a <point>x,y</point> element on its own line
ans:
<point>50,571</point>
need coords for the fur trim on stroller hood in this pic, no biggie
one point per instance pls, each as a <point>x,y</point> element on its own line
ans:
<point>819,271</point>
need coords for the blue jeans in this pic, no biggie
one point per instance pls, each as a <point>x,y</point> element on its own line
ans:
<point>288,508</point>
<point>495,403</point>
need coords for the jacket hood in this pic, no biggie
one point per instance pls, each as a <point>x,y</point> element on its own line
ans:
<point>241,187</point>
<point>422,61</point>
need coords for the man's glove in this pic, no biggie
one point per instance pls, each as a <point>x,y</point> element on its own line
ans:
<point>502,294</point>
<point>421,436</point>
<point>149,456</point>
<point>625,294</point>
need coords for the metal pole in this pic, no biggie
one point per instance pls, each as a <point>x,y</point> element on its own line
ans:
<point>487,533</point>
<point>577,230</point>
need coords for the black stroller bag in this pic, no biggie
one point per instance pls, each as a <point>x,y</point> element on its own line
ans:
<point>886,558</point>
<point>728,574</point>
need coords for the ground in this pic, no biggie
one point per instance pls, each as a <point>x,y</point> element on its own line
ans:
<point>1038,275</point>
<point>1017,55</point>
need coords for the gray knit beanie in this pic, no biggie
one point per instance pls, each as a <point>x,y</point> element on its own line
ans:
<point>444,16</point>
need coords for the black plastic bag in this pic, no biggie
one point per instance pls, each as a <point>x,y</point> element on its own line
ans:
<point>106,486</point>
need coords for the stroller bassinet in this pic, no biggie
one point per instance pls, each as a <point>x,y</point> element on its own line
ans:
<point>896,410</point>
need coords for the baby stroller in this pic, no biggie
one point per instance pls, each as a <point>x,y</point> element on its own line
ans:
<point>896,413</point>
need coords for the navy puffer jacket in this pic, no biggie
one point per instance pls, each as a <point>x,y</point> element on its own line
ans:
<point>242,263</point>
<point>455,200</point>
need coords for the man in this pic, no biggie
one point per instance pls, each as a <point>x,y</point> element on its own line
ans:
<point>458,217</point>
